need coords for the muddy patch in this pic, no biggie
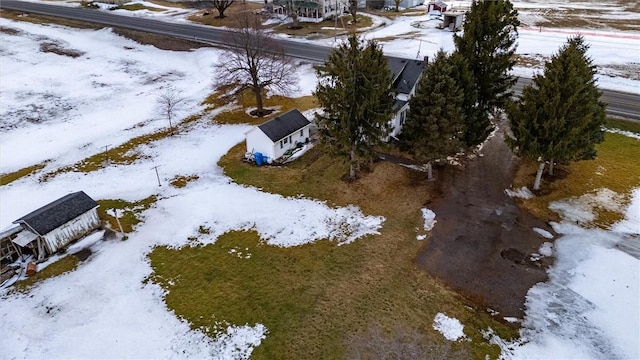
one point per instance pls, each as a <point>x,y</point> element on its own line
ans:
<point>83,254</point>
<point>482,243</point>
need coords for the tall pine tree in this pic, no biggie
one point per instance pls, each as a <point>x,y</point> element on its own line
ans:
<point>559,117</point>
<point>488,44</point>
<point>356,96</point>
<point>435,121</point>
<point>475,128</point>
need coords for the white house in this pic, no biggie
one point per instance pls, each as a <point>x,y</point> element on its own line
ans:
<point>50,228</point>
<point>405,73</point>
<point>274,137</point>
<point>309,10</point>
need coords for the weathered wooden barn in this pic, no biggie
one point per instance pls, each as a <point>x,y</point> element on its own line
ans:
<point>50,228</point>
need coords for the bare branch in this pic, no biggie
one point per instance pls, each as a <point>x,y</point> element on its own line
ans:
<point>169,104</point>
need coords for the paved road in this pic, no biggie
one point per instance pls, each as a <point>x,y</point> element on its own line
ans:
<point>619,104</point>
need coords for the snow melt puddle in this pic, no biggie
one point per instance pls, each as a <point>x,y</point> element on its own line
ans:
<point>589,307</point>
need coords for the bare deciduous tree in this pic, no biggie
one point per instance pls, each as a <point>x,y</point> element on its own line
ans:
<point>254,61</point>
<point>220,5</point>
<point>169,105</point>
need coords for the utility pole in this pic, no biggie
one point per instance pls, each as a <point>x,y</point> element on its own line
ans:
<point>106,152</point>
<point>157,176</point>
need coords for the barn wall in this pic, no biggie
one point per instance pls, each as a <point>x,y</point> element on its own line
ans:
<point>72,230</point>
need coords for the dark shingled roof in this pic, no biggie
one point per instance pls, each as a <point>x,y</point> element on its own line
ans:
<point>399,104</point>
<point>59,212</point>
<point>284,125</point>
<point>405,73</point>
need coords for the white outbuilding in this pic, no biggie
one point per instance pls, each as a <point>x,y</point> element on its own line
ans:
<point>55,225</point>
<point>274,137</point>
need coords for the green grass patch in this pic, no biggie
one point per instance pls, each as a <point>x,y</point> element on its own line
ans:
<point>130,212</point>
<point>64,265</point>
<point>24,172</point>
<point>622,124</point>
<point>314,298</point>
<point>616,167</point>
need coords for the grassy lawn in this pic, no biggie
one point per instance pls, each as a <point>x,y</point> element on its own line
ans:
<point>24,172</point>
<point>313,297</point>
<point>130,212</point>
<point>616,167</point>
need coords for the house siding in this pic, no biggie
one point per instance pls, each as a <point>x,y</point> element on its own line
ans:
<point>72,230</point>
<point>292,139</point>
<point>257,141</point>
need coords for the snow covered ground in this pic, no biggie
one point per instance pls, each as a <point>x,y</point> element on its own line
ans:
<point>62,109</point>
<point>107,96</point>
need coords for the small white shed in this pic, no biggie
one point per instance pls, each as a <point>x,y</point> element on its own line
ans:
<point>56,224</point>
<point>274,137</point>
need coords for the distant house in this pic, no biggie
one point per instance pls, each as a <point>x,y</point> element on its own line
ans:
<point>50,228</point>
<point>309,10</point>
<point>436,6</point>
<point>274,137</point>
<point>406,4</point>
<point>405,73</point>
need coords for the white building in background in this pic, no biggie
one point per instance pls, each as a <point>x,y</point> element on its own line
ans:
<point>309,10</point>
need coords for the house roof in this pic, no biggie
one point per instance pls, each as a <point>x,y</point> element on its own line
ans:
<point>399,104</point>
<point>405,73</point>
<point>59,212</point>
<point>284,125</point>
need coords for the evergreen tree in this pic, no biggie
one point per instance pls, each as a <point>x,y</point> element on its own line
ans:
<point>488,44</point>
<point>355,93</point>
<point>559,117</point>
<point>475,129</point>
<point>435,120</point>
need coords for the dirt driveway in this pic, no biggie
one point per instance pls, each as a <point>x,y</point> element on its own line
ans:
<point>482,241</point>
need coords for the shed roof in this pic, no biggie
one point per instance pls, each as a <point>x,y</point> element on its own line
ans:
<point>284,125</point>
<point>405,73</point>
<point>59,212</point>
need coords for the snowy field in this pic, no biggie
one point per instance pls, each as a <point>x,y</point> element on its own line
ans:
<point>62,109</point>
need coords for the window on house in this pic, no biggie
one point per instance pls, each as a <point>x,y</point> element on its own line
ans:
<point>402,117</point>
<point>281,144</point>
<point>290,139</point>
<point>285,140</point>
<point>302,133</point>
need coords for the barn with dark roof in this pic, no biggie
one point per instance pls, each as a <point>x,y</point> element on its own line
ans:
<point>278,135</point>
<point>53,226</point>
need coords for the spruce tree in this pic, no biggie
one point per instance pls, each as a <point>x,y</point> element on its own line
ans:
<point>435,120</point>
<point>355,93</point>
<point>488,44</point>
<point>475,129</point>
<point>559,117</point>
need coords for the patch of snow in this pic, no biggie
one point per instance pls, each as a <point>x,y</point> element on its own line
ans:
<point>511,319</point>
<point>623,132</point>
<point>544,233</point>
<point>450,328</point>
<point>421,237</point>
<point>546,249</point>
<point>429,219</point>
<point>581,209</point>
<point>589,307</point>
<point>522,192</point>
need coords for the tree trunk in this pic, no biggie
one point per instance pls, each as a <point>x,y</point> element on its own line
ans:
<point>260,110</point>
<point>536,184</point>
<point>429,171</point>
<point>551,167</point>
<point>352,164</point>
